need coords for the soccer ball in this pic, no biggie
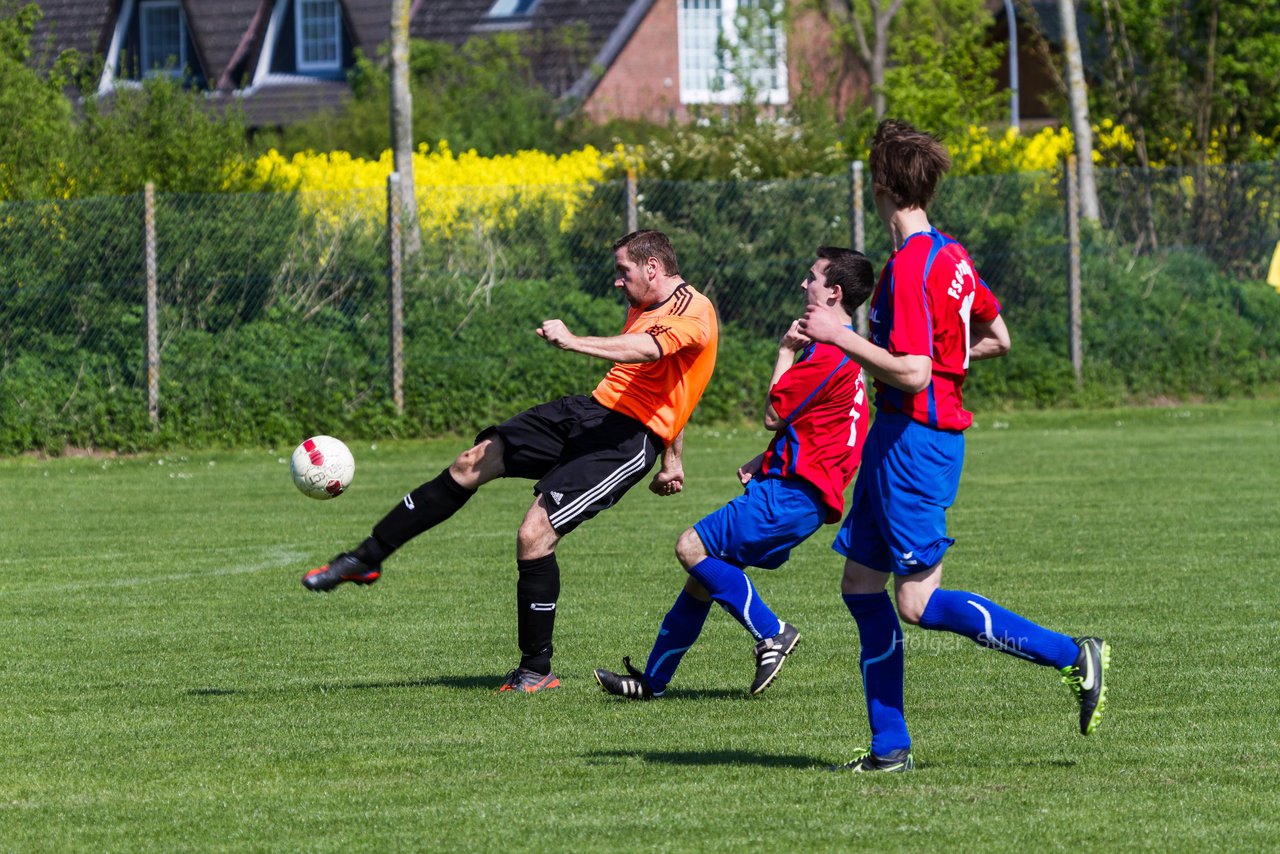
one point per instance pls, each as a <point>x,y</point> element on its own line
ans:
<point>322,467</point>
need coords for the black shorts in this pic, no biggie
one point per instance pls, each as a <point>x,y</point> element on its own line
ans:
<point>583,456</point>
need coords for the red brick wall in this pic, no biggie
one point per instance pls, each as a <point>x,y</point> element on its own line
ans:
<point>644,81</point>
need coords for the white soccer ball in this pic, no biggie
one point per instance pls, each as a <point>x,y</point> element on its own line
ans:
<point>322,467</point>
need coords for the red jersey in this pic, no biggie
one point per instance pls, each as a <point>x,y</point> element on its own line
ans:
<point>824,403</point>
<point>927,296</point>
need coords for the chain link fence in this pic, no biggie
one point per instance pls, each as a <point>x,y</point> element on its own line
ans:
<point>272,318</point>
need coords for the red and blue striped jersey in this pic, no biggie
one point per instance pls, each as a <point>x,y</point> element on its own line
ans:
<point>924,304</point>
<point>824,403</point>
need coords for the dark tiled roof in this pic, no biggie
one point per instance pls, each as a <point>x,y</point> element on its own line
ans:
<point>600,24</point>
<point>370,21</point>
<point>282,103</point>
<point>217,29</point>
<point>76,24</point>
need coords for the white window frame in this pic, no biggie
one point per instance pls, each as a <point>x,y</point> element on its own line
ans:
<point>508,9</point>
<point>732,91</point>
<point>326,65</point>
<point>146,68</point>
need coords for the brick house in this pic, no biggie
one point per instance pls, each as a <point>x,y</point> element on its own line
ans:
<point>285,59</point>
<point>649,59</point>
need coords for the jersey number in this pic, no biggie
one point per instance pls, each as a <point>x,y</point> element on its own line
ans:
<point>966,308</point>
<point>857,403</point>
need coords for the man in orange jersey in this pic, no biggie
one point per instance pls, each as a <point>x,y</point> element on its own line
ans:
<point>583,451</point>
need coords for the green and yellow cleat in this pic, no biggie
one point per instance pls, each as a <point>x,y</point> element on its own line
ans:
<point>1087,680</point>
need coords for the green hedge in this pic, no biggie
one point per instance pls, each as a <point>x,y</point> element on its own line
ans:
<point>285,376</point>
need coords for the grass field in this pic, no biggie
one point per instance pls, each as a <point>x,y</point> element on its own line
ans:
<point>168,684</point>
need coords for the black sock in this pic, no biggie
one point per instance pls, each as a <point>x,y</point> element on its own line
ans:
<point>537,590</point>
<point>425,507</point>
<point>372,551</point>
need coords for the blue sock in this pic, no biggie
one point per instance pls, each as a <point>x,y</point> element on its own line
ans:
<point>989,625</point>
<point>680,628</point>
<point>730,587</point>
<point>882,669</point>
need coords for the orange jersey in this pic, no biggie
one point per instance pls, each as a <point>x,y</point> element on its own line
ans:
<point>662,394</point>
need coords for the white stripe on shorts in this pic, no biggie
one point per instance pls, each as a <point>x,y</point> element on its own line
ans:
<point>582,502</point>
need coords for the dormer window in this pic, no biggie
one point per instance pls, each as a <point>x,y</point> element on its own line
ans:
<point>150,37</point>
<point>511,8</point>
<point>305,39</point>
<point>319,35</point>
<point>162,42</point>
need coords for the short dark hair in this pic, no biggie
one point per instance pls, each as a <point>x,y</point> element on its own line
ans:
<point>852,271</point>
<point>647,243</point>
<point>907,163</point>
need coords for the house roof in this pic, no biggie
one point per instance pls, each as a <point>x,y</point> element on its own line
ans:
<point>76,25</point>
<point>604,27</point>
<point>228,36</point>
<point>219,28</point>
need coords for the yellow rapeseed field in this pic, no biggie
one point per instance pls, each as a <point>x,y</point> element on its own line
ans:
<point>453,190</point>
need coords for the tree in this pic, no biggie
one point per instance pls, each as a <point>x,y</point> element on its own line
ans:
<point>1079,99</point>
<point>36,133</point>
<point>852,19</point>
<point>1194,80</point>
<point>402,125</point>
<point>927,60</point>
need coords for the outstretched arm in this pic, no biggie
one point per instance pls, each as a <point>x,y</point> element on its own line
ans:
<point>670,478</point>
<point>630,347</point>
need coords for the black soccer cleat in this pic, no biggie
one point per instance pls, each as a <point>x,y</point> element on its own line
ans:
<point>771,653</point>
<point>344,567</point>
<point>1087,680</point>
<point>528,681</point>
<point>633,686</point>
<point>896,762</point>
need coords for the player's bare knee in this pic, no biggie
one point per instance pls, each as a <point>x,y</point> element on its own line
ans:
<point>536,538</point>
<point>910,608</point>
<point>689,548</point>
<point>910,614</point>
<point>531,544</point>
<point>478,464</point>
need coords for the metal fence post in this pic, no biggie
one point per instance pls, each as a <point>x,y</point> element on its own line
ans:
<point>153,324</point>
<point>1075,346</point>
<point>633,212</point>
<point>395,296</point>
<point>858,229</point>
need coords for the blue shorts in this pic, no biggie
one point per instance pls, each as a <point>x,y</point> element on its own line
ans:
<point>910,473</point>
<point>762,526</point>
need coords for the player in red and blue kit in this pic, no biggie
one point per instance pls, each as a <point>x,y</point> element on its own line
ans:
<point>819,410</point>
<point>931,314</point>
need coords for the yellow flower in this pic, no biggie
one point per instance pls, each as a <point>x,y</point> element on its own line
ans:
<point>452,190</point>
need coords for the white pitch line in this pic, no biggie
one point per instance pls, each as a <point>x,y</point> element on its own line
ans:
<point>280,559</point>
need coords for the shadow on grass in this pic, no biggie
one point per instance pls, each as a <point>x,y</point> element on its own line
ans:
<point>709,694</point>
<point>465,683</point>
<point>701,757</point>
